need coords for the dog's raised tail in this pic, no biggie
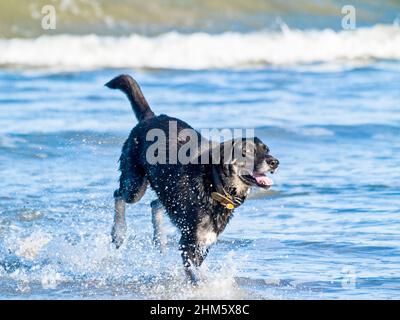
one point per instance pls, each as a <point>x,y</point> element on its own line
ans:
<point>130,87</point>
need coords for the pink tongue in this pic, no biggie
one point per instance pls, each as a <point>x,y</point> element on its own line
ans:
<point>264,180</point>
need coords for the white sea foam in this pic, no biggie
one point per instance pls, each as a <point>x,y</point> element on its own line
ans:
<point>202,50</point>
<point>30,247</point>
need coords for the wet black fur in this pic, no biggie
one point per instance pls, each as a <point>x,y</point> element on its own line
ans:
<point>184,190</point>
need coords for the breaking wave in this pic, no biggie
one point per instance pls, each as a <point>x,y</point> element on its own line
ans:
<point>195,51</point>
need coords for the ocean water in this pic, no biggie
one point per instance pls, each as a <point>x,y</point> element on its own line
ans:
<point>325,100</point>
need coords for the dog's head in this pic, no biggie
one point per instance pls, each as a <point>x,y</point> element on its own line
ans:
<point>249,159</point>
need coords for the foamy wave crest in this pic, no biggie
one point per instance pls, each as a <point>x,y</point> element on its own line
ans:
<point>202,50</point>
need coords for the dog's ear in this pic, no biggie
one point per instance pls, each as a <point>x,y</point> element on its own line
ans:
<point>237,150</point>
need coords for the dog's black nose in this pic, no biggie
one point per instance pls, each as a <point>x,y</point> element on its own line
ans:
<point>273,163</point>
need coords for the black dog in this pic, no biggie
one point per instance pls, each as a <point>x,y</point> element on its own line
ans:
<point>199,198</point>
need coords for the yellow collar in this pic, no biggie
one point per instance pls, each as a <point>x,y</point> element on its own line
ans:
<point>221,195</point>
<point>226,200</point>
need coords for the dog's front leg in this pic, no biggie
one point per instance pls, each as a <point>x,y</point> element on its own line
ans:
<point>118,230</point>
<point>188,264</point>
<point>193,256</point>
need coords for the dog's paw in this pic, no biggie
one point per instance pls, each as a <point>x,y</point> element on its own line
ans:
<point>118,234</point>
<point>194,282</point>
<point>192,279</point>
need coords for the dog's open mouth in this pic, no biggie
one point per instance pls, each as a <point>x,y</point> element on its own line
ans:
<point>257,179</point>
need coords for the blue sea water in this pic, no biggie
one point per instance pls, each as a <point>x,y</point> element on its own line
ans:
<point>329,228</point>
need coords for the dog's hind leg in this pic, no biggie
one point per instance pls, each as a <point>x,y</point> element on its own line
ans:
<point>157,214</point>
<point>133,184</point>
<point>118,230</point>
